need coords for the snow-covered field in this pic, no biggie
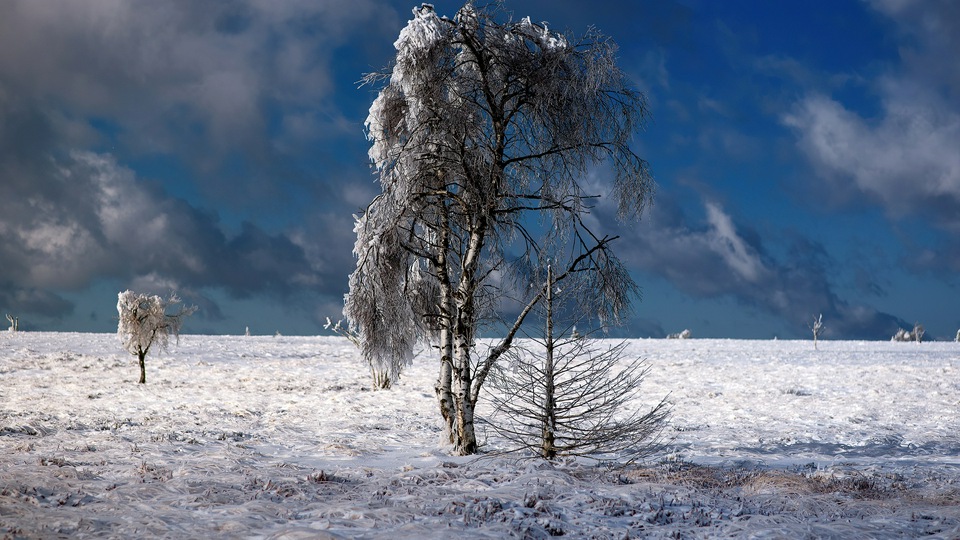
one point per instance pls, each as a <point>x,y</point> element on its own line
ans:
<point>281,437</point>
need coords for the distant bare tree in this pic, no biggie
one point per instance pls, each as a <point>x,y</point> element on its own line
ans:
<point>817,328</point>
<point>957,339</point>
<point>14,323</point>
<point>144,322</point>
<point>572,396</point>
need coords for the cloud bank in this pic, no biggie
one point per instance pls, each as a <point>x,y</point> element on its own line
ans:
<point>90,218</point>
<point>715,258</point>
<point>906,157</point>
<point>232,95</point>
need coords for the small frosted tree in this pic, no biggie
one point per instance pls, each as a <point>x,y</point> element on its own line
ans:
<point>14,323</point>
<point>817,328</point>
<point>144,323</point>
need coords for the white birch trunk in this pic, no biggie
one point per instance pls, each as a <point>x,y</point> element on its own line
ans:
<point>465,438</point>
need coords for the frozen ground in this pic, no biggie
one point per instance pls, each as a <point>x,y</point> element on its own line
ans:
<point>281,437</point>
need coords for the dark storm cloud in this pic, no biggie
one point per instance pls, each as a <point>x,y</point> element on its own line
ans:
<point>714,257</point>
<point>256,260</point>
<point>17,300</point>
<point>84,217</point>
<point>227,88</point>
<point>233,94</point>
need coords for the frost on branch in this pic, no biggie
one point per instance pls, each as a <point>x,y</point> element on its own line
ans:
<point>144,323</point>
<point>383,318</point>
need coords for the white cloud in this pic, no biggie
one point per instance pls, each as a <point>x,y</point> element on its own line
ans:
<point>58,249</point>
<point>86,217</point>
<point>904,161</point>
<point>132,219</point>
<point>723,239</point>
<point>907,158</point>
<point>714,258</point>
<point>91,216</point>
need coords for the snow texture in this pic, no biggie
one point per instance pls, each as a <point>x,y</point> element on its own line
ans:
<point>282,437</point>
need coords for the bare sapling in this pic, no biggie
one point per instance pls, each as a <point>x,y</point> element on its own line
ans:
<point>573,396</point>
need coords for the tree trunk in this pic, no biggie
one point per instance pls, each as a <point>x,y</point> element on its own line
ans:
<point>547,448</point>
<point>143,369</point>
<point>464,439</point>
<point>444,387</point>
<point>381,379</point>
<point>464,327</point>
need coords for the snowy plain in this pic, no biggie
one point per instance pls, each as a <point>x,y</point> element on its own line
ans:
<point>282,437</point>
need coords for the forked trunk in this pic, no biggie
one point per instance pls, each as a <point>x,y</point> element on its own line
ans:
<point>464,435</point>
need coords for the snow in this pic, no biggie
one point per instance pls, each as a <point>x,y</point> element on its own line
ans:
<point>282,437</point>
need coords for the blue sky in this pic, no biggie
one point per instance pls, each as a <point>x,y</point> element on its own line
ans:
<point>807,156</point>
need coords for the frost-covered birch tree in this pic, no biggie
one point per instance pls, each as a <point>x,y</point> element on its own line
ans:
<point>144,323</point>
<point>481,123</point>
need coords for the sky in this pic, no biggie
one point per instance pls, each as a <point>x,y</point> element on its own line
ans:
<point>806,154</point>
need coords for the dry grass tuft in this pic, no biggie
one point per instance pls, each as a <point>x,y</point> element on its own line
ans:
<point>750,481</point>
